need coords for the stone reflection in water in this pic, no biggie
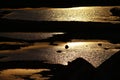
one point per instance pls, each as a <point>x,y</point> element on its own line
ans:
<point>22,74</point>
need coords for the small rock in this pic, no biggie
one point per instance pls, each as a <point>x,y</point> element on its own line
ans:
<point>59,51</point>
<point>99,44</point>
<point>106,48</point>
<point>66,46</point>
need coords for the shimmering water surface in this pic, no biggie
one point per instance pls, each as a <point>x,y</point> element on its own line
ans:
<point>90,13</point>
<point>89,50</point>
<point>93,51</point>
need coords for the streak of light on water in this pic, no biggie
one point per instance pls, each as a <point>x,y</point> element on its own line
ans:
<point>86,14</point>
<point>95,52</point>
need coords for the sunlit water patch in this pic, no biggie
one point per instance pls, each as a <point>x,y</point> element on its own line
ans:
<point>93,14</point>
<point>95,52</point>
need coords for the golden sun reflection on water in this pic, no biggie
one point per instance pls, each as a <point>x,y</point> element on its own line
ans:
<point>86,14</point>
<point>94,52</point>
<point>74,44</point>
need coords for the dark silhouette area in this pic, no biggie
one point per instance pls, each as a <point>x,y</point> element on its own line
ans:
<point>4,12</point>
<point>28,65</point>
<point>7,39</point>
<point>56,3</point>
<point>78,69</point>
<point>58,26</point>
<point>12,46</point>
<point>115,11</point>
<point>2,57</point>
<point>110,69</point>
